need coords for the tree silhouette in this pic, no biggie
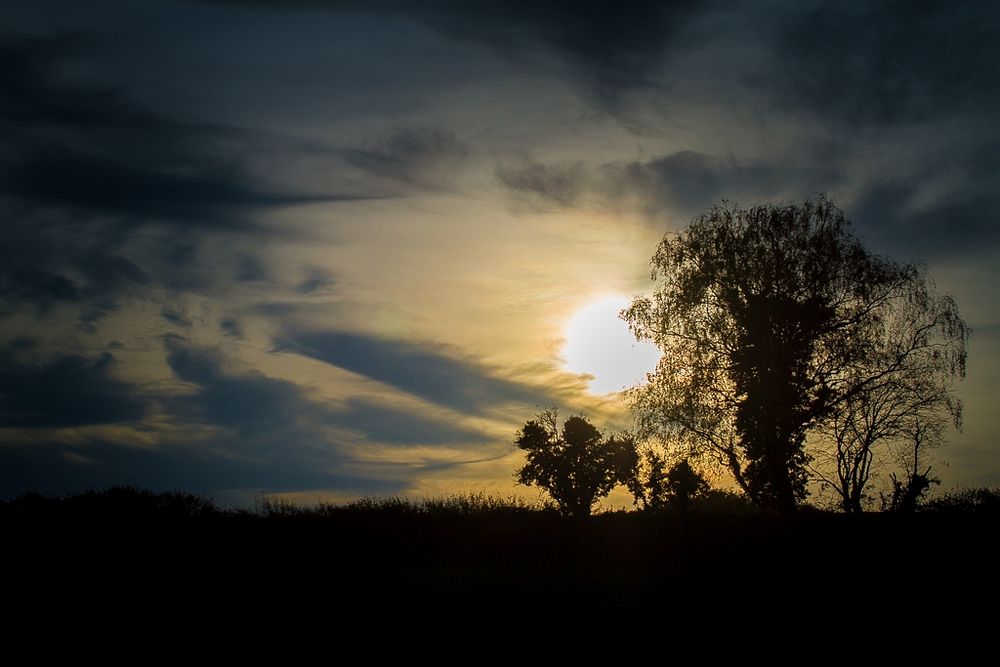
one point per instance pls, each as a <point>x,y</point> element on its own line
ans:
<point>577,465</point>
<point>657,486</point>
<point>649,485</point>
<point>908,492</point>
<point>684,484</point>
<point>903,395</point>
<point>771,319</point>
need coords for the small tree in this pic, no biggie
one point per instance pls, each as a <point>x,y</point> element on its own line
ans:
<point>908,492</point>
<point>649,484</point>
<point>657,486</point>
<point>684,484</point>
<point>578,465</point>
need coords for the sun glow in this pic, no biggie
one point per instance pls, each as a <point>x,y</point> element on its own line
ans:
<point>599,344</point>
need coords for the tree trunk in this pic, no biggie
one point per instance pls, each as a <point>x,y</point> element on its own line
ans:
<point>781,481</point>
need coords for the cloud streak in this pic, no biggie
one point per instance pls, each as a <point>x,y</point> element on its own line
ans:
<point>432,372</point>
<point>64,391</point>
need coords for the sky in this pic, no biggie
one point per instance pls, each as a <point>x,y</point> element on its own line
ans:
<point>336,249</point>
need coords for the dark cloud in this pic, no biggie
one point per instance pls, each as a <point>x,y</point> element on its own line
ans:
<point>231,327</point>
<point>250,268</point>
<point>85,169</point>
<point>95,310</point>
<point>44,263</point>
<point>686,182</point>
<point>259,407</point>
<point>250,403</point>
<point>544,186</point>
<point>689,182</point>
<point>64,391</point>
<point>431,372</point>
<point>262,432</point>
<point>418,156</point>
<point>316,279</point>
<point>175,317</point>
<point>896,219</point>
<point>93,149</point>
<point>161,184</point>
<point>610,47</point>
<point>28,283</point>
<point>58,468</point>
<point>393,426</point>
<point>889,62</point>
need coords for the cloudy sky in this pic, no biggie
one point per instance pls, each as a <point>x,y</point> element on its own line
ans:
<point>340,248</point>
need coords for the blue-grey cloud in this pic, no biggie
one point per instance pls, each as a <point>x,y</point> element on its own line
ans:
<point>689,182</point>
<point>169,183</point>
<point>92,149</point>
<point>67,390</point>
<point>261,407</point>
<point>893,215</point>
<point>316,279</point>
<point>890,62</point>
<point>85,168</point>
<point>265,433</point>
<point>685,182</point>
<point>394,426</point>
<point>435,373</point>
<point>58,467</point>
<point>175,317</point>
<point>250,403</point>
<point>231,327</point>
<point>609,47</point>
<point>418,156</point>
<point>250,269</point>
<point>544,186</point>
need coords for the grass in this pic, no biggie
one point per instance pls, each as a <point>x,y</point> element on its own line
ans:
<point>486,552</point>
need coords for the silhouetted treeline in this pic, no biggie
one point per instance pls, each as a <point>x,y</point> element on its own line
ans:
<point>124,503</point>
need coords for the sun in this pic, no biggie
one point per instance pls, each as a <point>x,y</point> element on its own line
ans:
<point>599,344</point>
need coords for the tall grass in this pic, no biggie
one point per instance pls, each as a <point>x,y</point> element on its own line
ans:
<point>462,504</point>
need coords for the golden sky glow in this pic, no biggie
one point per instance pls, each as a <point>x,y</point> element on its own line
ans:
<point>312,250</point>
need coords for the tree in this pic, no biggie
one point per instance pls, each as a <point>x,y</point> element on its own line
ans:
<point>577,465</point>
<point>908,492</point>
<point>772,319</point>
<point>657,487</point>
<point>649,484</point>
<point>684,484</point>
<point>903,400</point>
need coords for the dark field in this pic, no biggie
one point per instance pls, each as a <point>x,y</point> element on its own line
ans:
<point>477,555</point>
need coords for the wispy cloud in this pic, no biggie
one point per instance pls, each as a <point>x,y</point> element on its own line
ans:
<point>433,372</point>
<point>67,390</point>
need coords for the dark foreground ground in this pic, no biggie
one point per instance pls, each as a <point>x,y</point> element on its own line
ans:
<point>145,552</point>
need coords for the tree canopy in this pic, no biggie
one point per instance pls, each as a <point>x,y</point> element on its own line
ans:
<point>773,319</point>
<point>577,465</point>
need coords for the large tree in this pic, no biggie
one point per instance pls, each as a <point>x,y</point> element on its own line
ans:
<point>771,318</point>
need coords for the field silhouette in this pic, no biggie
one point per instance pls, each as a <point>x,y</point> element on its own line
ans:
<point>479,553</point>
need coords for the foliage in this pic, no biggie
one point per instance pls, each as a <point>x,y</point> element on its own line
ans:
<point>461,504</point>
<point>902,399</point>
<point>908,493</point>
<point>684,484</point>
<point>577,465</point>
<point>773,320</point>
<point>649,484</point>
<point>980,500</point>
<point>656,487</point>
